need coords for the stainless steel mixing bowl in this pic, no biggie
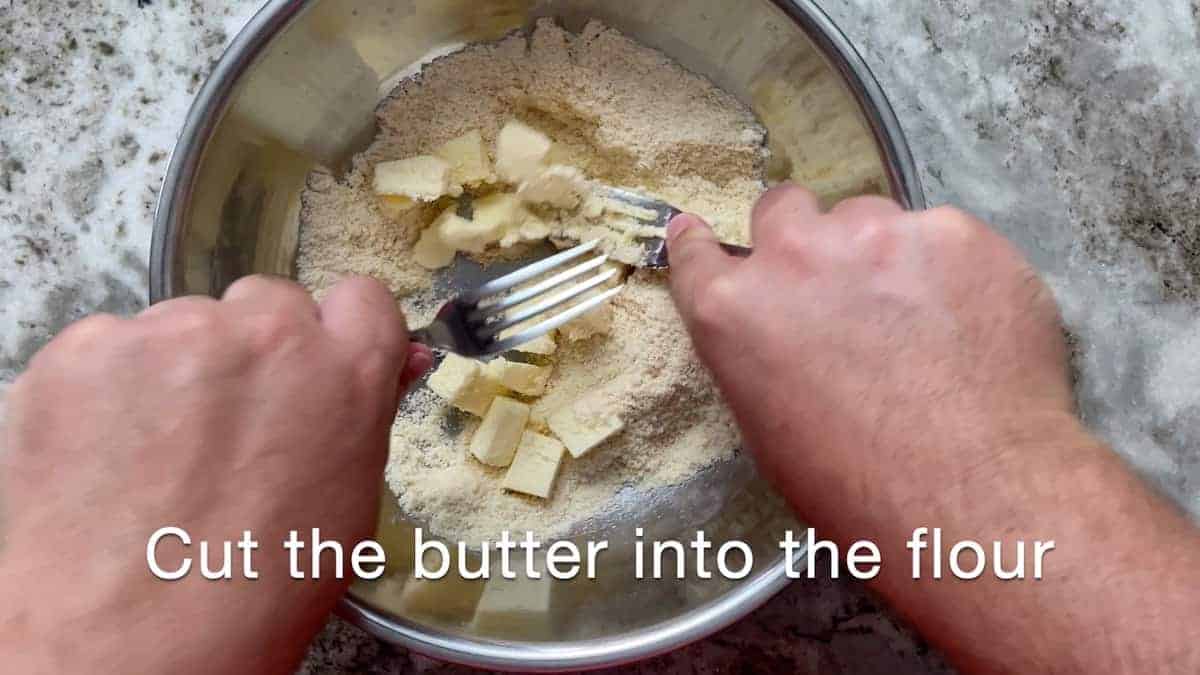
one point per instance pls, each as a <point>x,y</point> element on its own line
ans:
<point>298,88</point>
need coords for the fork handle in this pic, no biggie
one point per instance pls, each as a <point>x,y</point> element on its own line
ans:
<point>423,336</point>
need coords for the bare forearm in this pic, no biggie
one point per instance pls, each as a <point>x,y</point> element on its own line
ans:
<point>1113,589</point>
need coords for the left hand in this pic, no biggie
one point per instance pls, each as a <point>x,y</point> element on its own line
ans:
<point>262,411</point>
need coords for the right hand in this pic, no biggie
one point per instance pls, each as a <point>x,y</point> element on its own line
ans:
<point>895,370</point>
<point>872,355</point>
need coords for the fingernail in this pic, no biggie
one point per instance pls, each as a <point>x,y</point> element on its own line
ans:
<point>421,357</point>
<point>422,362</point>
<point>678,225</point>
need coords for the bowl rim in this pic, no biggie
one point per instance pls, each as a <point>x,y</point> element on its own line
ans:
<point>205,114</point>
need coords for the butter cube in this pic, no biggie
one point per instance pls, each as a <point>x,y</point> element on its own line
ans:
<point>462,234</point>
<point>593,207</point>
<point>431,252</point>
<point>462,382</point>
<point>499,213</point>
<point>394,207</point>
<point>522,378</point>
<point>496,440</point>
<point>535,465</point>
<point>396,536</point>
<point>520,152</point>
<point>515,608</point>
<point>468,158</point>
<point>544,345</point>
<point>423,178</point>
<point>451,597</point>
<point>529,228</point>
<point>583,425</point>
<point>599,320</point>
<point>387,591</point>
<point>563,187</point>
<point>535,229</point>
<point>596,322</point>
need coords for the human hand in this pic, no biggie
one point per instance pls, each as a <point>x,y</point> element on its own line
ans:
<point>869,353</point>
<point>262,411</point>
<point>892,371</point>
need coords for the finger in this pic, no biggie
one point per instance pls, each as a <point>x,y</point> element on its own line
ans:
<point>361,313</point>
<point>696,259</point>
<point>419,362</point>
<point>271,293</point>
<point>177,304</point>
<point>866,209</point>
<point>783,207</point>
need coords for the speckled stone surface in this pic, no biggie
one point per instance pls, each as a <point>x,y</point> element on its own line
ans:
<point>1072,126</point>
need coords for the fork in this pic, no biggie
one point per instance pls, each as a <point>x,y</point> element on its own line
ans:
<point>473,324</point>
<point>657,214</point>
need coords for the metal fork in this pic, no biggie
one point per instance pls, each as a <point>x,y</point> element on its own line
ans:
<point>472,324</point>
<point>654,213</point>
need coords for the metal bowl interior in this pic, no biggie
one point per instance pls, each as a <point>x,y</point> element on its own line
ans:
<point>298,89</point>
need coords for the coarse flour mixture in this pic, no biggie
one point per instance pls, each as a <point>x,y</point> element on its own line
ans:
<point>625,115</point>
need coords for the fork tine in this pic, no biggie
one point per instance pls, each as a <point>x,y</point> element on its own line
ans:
<point>528,272</point>
<point>628,197</point>
<point>554,322</point>
<point>514,299</point>
<point>546,305</point>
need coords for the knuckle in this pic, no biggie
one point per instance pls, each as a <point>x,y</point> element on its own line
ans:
<point>374,370</point>
<point>276,328</point>
<point>96,334</point>
<point>686,250</point>
<point>875,238</point>
<point>952,219</point>
<point>93,329</point>
<point>794,240</point>
<point>867,205</point>
<point>253,284</point>
<point>358,284</point>
<point>196,322</point>
<point>782,204</point>
<point>714,301</point>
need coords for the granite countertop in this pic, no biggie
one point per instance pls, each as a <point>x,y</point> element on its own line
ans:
<point>1070,126</point>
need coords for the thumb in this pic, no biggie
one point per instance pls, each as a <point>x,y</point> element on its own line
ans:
<point>695,259</point>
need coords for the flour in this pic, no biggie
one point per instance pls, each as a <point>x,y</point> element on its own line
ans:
<point>605,101</point>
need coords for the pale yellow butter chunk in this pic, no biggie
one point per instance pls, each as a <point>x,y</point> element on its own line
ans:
<point>542,346</point>
<point>515,608</point>
<point>394,207</point>
<point>593,207</point>
<point>423,178</point>
<point>520,152</point>
<point>431,251</point>
<point>496,440</point>
<point>535,465</point>
<point>472,236</point>
<point>450,597</point>
<point>563,187</point>
<point>499,212</point>
<point>596,322</point>
<point>523,378</point>
<point>507,221</point>
<point>468,158</point>
<point>583,425</point>
<point>527,226</point>
<point>463,383</point>
<point>599,320</point>
<point>535,229</point>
